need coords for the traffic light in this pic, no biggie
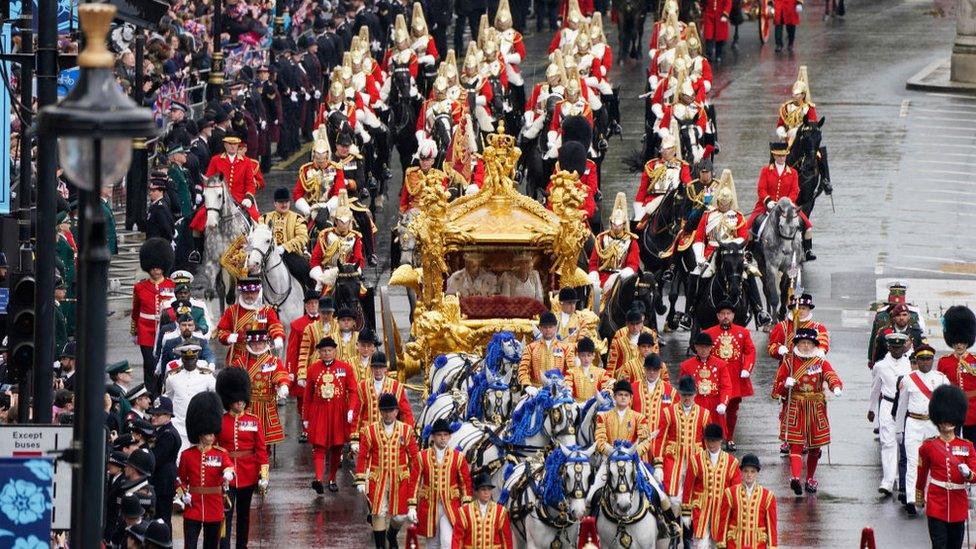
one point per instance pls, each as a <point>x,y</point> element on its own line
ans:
<point>21,335</point>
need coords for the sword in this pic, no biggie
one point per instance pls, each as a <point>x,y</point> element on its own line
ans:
<point>832,209</point>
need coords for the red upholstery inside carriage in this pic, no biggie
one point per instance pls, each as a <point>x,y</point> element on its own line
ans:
<point>500,306</point>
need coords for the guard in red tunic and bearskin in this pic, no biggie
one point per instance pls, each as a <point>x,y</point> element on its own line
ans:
<point>959,332</point>
<point>148,296</point>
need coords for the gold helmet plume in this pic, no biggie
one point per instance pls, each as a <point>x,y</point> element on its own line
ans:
<point>344,209</point>
<point>503,16</point>
<point>725,194</point>
<point>618,216</point>
<point>418,23</point>
<point>802,84</point>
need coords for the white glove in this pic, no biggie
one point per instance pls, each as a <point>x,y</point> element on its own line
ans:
<point>686,521</point>
<point>187,498</point>
<point>837,391</point>
<point>318,94</point>
<point>770,204</point>
<point>294,97</point>
<point>659,474</point>
<point>594,278</point>
<point>782,350</point>
<point>638,210</point>
<point>744,374</point>
<point>725,19</point>
<point>307,96</point>
<point>228,475</point>
<point>361,488</point>
<point>305,424</point>
<point>246,203</point>
<point>283,391</point>
<point>135,340</point>
<point>301,383</point>
<point>799,8</point>
<point>264,124</point>
<point>263,484</point>
<point>531,390</point>
<point>349,416</point>
<point>354,447</point>
<point>965,470</point>
<point>720,409</point>
<point>790,382</point>
<point>280,249</point>
<point>232,339</point>
<point>279,343</point>
<point>412,515</point>
<point>513,58</point>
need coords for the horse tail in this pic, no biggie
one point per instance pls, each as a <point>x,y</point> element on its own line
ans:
<point>634,161</point>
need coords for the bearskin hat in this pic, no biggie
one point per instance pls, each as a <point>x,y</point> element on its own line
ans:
<point>959,326</point>
<point>233,385</point>
<point>156,252</point>
<point>577,128</point>
<point>572,157</point>
<point>948,405</point>
<point>204,415</point>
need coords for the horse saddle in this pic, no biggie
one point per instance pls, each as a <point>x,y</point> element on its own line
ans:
<point>757,225</point>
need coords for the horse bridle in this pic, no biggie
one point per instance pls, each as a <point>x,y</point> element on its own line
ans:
<point>265,255</point>
<point>795,227</point>
<point>627,487</point>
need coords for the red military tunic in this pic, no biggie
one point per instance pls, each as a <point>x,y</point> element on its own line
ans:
<point>581,107</point>
<point>239,174</point>
<point>446,482</point>
<point>457,111</point>
<point>784,12</point>
<point>715,22</point>
<point>474,530</point>
<point>811,115</point>
<point>328,393</point>
<point>710,223</point>
<point>782,335</point>
<point>414,184</point>
<point>683,437</point>
<point>772,186</point>
<point>748,519</point>
<point>365,403</point>
<point>267,373</point>
<point>938,468</point>
<point>712,380</point>
<point>238,319</point>
<point>305,187</point>
<point>805,418</point>
<point>588,183</point>
<point>962,374</point>
<point>630,258</point>
<point>387,464</point>
<point>735,347</point>
<point>651,403</point>
<point>410,61</point>
<point>323,242</point>
<point>243,438</point>
<point>292,351</point>
<point>645,193</point>
<point>147,300</point>
<point>704,489</point>
<point>201,473</point>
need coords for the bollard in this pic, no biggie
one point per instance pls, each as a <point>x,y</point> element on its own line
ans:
<point>588,536</point>
<point>867,538</point>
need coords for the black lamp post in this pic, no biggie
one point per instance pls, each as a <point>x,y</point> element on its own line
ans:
<point>95,124</point>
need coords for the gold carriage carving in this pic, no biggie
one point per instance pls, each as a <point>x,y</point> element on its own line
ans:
<point>499,221</point>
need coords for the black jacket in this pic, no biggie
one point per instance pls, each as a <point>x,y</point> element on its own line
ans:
<point>166,448</point>
<point>159,221</point>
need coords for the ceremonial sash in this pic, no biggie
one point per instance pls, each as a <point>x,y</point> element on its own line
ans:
<point>921,386</point>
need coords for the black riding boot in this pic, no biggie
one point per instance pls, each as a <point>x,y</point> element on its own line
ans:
<point>379,539</point>
<point>691,298</point>
<point>391,537</point>
<point>755,299</point>
<point>808,249</point>
<point>719,46</point>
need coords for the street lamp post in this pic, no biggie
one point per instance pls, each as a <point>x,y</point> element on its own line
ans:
<point>95,124</point>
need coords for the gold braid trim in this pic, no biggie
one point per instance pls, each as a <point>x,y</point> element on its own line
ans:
<point>328,251</point>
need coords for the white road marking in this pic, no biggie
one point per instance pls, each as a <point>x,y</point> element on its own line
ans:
<point>933,258</point>
<point>921,270</point>
<point>947,191</point>
<point>950,172</point>
<point>905,103</point>
<point>938,146</point>
<point>947,162</point>
<point>954,202</point>
<point>953,95</point>
<point>966,129</point>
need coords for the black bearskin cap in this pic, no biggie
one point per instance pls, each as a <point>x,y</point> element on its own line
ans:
<point>204,415</point>
<point>233,385</point>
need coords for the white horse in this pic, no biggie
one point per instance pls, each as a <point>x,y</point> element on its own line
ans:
<point>226,220</point>
<point>548,418</point>
<point>780,246</point>
<point>483,447</point>
<point>549,499</point>
<point>454,370</point>
<point>630,502</point>
<point>282,291</point>
<point>489,399</point>
<point>586,430</point>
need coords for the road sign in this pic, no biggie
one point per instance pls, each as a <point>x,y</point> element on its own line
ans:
<point>39,441</point>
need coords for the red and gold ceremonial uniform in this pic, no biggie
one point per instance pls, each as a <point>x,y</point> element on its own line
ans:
<point>147,304</point>
<point>715,23</point>
<point>704,489</point>
<point>938,469</point>
<point>346,347</point>
<point>317,183</point>
<point>623,349</point>
<point>446,483</point>
<point>365,403</point>
<point>243,437</point>
<point>612,254</point>
<point>962,373</point>
<point>238,172</point>
<point>541,356</point>
<point>748,519</point>
<point>772,186</point>
<point>714,386</point>
<point>387,463</point>
<point>659,176</point>
<point>782,333</point>
<point>267,373</point>
<point>328,393</point>
<point>431,108</point>
<point>789,107</point>
<point>633,371</point>
<point>580,107</point>
<point>238,319</point>
<point>332,249</point>
<point>307,352</point>
<point>717,227</point>
<point>295,331</point>
<point>651,403</point>
<point>735,347</point>
<point>584,384</point>
<point>489,530</point>
<point>805,420</point>
<point>414,181</point>
<point>631,427</point>
<point>406,57</point>
<point>201,473</point>
<point>683,437</point>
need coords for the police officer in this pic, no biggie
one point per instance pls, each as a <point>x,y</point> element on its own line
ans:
<point>165,449</point>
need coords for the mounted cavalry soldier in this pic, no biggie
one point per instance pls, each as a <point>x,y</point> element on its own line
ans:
<point>959,366</point>
<point>319,181</point>
<point>240,175</point>
<point>795,111</point>
<point>336,246</point>
<point>574,103</point>
<point>571,25</point>
<point>777,180</point>
<point>513,51</point>
<point>243,315</point>
<point>424,47</point>
<point>440,103</point>
<point>615,253</point>
<point>269,381</point>
<point>804,425</point>
<point>538,104</point>
<point>912,417</point>
<point>290,233</point>
<point>475,83</point>
<point>660,175</point>
<point>416,178</point>
<point>443,485</point>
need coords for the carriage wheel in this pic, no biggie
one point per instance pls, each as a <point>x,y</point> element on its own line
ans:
<point>765,22</point>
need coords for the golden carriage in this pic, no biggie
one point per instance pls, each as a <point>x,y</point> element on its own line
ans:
<point>498,222</point>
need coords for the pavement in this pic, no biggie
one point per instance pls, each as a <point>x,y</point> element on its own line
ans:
<point>901,163</point>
